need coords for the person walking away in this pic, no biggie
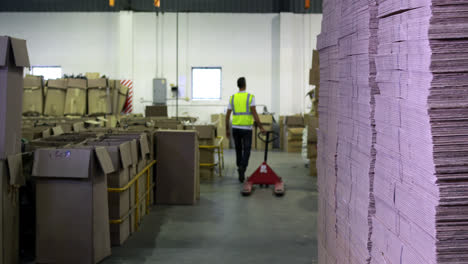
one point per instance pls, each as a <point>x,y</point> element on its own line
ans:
<point>242,107</point>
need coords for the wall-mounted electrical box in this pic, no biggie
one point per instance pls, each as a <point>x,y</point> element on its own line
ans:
<point>159,91</point>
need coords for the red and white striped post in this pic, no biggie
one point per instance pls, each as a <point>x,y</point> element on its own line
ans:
<point>128,107</point>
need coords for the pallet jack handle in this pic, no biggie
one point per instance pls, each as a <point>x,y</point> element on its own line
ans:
<point>267,140</point>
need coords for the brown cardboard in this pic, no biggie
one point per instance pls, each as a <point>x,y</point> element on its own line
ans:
<point>314,74</point>
<point>311,151</point>
<point>75,100</point>
<point>55,97</point>
<point>313,167</point>
<point>156,110</point>
<point>11,177</point>
<point>294,140</point>
<point>72,209</point>
<point>311,122</point>
<point>99,97</point>
<point>294,121</point>
<point>57,131</point>
<point>33,97</point>
<point>282,132</point>
<point>13,57</point>
<point>220,121</point>
<point>207,173</point>
<point>122,92</point>
<point>177,169</point>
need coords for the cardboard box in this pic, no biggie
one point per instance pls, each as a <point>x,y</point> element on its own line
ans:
<point>11,174</point>
<point>294,121</point>
<point>119,202</point>
<point>177,180</point>
<point>119,96</point>
<point>313,167</point>
<point>75,100</point>
<point>99,97</point>
<point>13,57</point>
<point>282,132</point>
<point>314,74</point>
<point>207,173</point>
<point>219,120</point>
<point>55,97</point>
<point>311,151</point>
<point>156,110</point>
<point>293,142</point>
<point>311,123</point>
<point>72,216</point>
<point>33,97</point>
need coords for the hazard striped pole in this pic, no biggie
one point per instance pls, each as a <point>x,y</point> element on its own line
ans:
<point>128,107</point>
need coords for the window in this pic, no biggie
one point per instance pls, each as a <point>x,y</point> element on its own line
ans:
<point>49,72</point>
<point>206,83</point>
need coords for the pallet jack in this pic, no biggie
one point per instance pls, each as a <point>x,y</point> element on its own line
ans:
<point>264,175</point>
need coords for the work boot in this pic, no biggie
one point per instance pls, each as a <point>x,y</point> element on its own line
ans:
<point>241,172</point>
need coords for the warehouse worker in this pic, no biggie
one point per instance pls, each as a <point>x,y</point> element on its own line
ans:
<point>242,105</point>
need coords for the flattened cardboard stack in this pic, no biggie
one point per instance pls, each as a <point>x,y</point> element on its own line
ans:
<point>99,97</point>
<point>33,97</point>
<point>72,210</point>
<point>293,130</point>
<point>177,180</point>
<point>55,97</point>
<point>13,57</point>
<point>411,129</point>
<point>156,110</point>
<point>75,100</point>
<point>311,123</point>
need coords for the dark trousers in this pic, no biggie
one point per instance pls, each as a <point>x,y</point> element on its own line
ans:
<point>243,143</point>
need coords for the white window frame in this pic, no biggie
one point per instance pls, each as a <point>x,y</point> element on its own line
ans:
<point>45,67</point>
<point>220,84</point>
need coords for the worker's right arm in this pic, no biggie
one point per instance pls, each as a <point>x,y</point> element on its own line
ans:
<point>228,121</point>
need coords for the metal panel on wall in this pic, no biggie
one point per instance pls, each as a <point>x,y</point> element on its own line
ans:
<point>204,6</point>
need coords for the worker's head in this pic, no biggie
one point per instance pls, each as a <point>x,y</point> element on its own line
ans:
<point>241,83</point>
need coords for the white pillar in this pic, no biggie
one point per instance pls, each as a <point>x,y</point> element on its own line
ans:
<point>126,52</point>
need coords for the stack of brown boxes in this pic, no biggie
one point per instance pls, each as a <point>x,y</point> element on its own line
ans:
<point>177,180</point>
<point>312,125</point>
<point>294,128</point>
<point>267,122</point>
<point>119,96</point>
<point>75,100</point>
<point>99,97</point>
<point>33,97</point>
<point>55,97</point>
<point>13,57</point>
<point>220,121</point>
<point>206,138</point>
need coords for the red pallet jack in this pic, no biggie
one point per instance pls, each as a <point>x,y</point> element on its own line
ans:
<point>264,175</point>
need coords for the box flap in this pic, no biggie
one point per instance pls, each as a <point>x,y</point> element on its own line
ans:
<point>31,81</point>
<point>126,154</point>
<point>20,52</point>
<point>104,160</point>
<point>134,151</point>
<point>46,133</point>
<point>3,50</point>
<point>15,167</point>
<point>123,89</point>
<point>144,145</point>
<point>206,131</point>
<point>62,163</point>
<point>97,83</point>
<point>57,131</point>
<point>59,83</point>
<point>77,83</point>
<point>78,127</point>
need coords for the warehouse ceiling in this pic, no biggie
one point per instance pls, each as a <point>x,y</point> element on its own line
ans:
<point>211,6</point>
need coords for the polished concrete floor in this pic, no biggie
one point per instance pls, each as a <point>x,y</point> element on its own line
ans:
<point>225,227</point>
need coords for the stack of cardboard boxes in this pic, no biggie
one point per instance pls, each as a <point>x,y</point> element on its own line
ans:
<point>267,122</point>
<point>220,121</point>
<point>293,130</point>
<point>13,57</point>
<point>206,139</point>
<point>312,125</point>
<point>55,95</point>
<point>33,97</point>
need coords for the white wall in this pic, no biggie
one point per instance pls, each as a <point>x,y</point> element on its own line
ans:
<point>273,51</point>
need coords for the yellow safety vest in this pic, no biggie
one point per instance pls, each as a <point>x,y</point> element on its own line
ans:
<point>242,116</point>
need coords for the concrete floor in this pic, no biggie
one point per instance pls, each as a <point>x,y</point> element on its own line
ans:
<point>228,228</point>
